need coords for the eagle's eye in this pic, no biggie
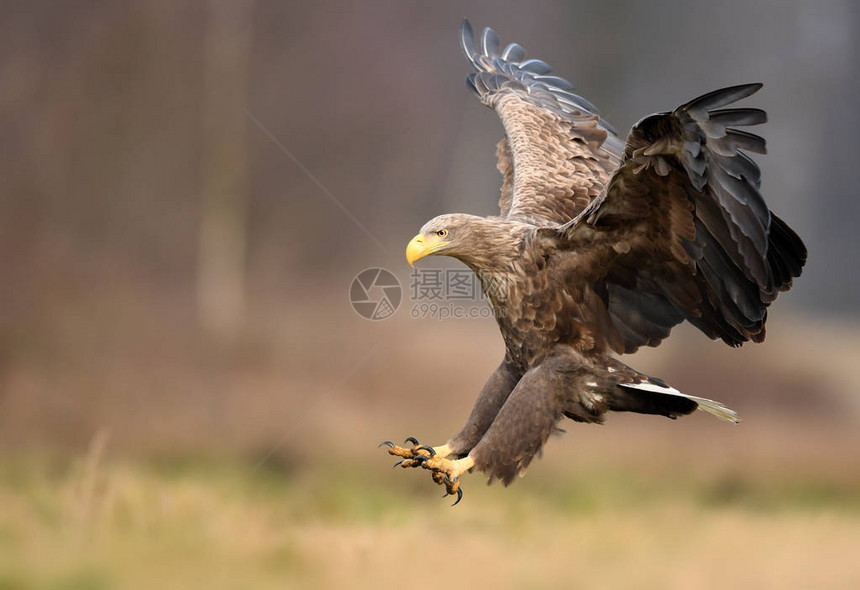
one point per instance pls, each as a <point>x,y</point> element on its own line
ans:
<point>442,233</point>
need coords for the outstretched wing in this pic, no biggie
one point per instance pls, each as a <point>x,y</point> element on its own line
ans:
<point>682,232</point>
<point>557,152</point>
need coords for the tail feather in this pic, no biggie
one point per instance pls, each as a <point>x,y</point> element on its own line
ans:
<point>712,407</point>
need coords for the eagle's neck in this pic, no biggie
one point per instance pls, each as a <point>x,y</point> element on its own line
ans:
<point>496,254</point>
<point>494,246</point>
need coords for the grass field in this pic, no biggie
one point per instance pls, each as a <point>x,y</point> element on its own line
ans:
<point>92,522</point>
<point>172,491</point>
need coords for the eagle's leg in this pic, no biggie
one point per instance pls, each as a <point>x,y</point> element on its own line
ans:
<point>446,472</point>
<point>493,395</point>
<point>527,418</point>
<point>491,399</point>
<point>415,451</point>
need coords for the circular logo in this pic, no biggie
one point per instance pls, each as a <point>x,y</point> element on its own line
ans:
<point>375,294</point>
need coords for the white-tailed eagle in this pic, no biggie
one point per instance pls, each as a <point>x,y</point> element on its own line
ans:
<point>601,247</point>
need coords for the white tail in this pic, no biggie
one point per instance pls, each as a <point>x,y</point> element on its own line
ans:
<point>710,406</point>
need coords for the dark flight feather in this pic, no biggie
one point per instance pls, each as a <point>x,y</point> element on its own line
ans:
<point>739,262</point>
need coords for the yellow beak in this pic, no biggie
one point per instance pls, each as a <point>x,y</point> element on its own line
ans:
<point>421,246</point>
<point>416,249</point>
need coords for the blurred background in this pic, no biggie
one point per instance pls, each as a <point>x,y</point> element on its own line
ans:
<point>187,396</point>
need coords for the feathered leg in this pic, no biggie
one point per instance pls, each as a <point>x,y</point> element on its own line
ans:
<point>493,395</point>
<point>527,418</point>
<point>445,471</point>
<point>491,399</point>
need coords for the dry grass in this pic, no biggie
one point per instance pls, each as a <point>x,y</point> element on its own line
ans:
<point>92,523</point>
<point>642,502</point>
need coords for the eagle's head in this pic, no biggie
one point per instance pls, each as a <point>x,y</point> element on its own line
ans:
<point>448,235</point>
<point>479,242</point>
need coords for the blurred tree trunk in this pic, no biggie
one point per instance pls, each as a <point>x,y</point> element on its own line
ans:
<point>224,199</point>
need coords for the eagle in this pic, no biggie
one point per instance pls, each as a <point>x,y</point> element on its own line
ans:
<point>601,246</point>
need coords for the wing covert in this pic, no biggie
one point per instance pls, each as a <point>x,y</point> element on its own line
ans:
<point>557,152</point>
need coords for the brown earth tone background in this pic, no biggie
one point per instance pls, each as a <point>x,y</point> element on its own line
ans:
<point>187,398</point>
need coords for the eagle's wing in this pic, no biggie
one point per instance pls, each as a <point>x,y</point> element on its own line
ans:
<point>682,232</point>
<point>557,152</point>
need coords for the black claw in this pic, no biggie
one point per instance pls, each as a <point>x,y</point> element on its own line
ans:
<point>396,464</point>
<point>428,449</point>
<point>386,443</point>
<point>411,439</point>
<point>420,458</point>
<point>459,497</point>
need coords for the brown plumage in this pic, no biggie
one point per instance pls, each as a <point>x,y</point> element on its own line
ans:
<point>602,247</point>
